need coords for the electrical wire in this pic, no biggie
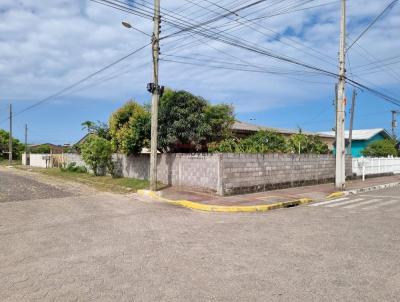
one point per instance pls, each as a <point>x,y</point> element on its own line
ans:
<point>77,83</point>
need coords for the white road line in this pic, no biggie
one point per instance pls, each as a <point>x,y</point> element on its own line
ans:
<point>380,196</point>
<point>327,202</point>
<point>362,203</point>
<point>343,203</point>
<point>381,204</point>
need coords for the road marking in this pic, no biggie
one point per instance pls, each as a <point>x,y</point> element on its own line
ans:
<point>343,203</point>
<point>380,196</point>
<point>383,203</point>
<point>362,203</point>
<point>327,202</point>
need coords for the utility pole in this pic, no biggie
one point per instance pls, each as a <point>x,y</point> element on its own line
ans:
<point>26,143</point>
<point>394,124</point>
<point>340,175</point>
<point>10,139</point>
<point>334,103</point>
<point>353,104</point>
<point>155,89</point>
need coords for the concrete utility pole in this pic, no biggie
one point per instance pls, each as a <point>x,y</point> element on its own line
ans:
<point>10,139</point>
<point>26,141</point>
<point>156,96</point>
<point>394,123</point>
<point>340,176</point>
<point>353,105</point>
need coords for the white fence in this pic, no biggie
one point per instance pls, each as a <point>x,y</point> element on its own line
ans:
<point>376,165</point>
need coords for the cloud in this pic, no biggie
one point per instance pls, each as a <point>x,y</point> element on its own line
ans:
<point>47,45</point>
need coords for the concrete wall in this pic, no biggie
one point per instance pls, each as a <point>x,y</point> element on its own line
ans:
<point>376,165</point>
<point>244,173</point>
<point>224,173</point>
<point>190,170</point>
<point>39,160</point>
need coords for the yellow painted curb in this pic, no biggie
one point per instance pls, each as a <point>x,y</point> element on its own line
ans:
<point>229,209</point>
<point>335,195</point>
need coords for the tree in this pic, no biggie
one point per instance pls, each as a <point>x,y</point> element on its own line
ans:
<point>188,122</point>
<point>89,126</point>
<point>40,149</point>
<point>97,153</point>
<point>130,128</point>
<point>99,128</point>
<point>18,147</point>
<point>381,148</point>
<point>220,119</point>
<point>181,121</point>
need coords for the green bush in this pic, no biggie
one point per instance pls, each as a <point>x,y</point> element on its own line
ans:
<point>130,128</point>
<point>97,153</point>
<point>72,167</point>
<point>381,148</point>
<point>18,147</point>
<point>304,144</point>
<point>260,142</point>
<point>271,142</point>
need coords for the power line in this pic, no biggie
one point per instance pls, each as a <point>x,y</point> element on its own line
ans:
<point>388,7</point>
<point>62,91</point>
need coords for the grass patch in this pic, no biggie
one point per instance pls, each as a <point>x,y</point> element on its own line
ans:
<point>15,162</point>
<point>103,183</point>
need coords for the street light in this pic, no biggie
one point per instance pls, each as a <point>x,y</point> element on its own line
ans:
<point>155,90</point>
<point>129,26</point>
<point>126,24</point>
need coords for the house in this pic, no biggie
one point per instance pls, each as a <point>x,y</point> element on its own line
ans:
<point>46,148</point>
<point>362,138</point>
<point>242,130</point>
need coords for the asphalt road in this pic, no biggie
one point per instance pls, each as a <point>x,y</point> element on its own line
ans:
<point>107,247</point>
<point>15,186</point>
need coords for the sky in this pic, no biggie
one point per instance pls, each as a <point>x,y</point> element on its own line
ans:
<point>48,45</point>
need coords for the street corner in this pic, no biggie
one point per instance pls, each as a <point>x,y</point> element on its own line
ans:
<point>336,195</point>
<point>205,207</point>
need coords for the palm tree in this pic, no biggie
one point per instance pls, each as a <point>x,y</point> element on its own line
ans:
<point>89,126</point>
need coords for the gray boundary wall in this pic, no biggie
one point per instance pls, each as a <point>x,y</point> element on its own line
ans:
<point>245,173</point>
<point>227,173</point>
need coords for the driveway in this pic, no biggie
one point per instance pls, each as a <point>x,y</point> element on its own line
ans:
<point>92,246</point>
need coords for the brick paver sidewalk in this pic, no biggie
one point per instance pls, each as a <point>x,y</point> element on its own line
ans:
<point>315,192</point>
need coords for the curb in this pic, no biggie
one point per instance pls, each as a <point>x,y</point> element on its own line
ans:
<point>362,190</point>
<point>227,209</point>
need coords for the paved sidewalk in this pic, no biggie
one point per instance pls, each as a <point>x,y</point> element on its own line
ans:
<point>315,192</point>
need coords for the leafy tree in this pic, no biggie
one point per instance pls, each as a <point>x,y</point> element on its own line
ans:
<point>97,153</point>
<point>220,119</point>
<point>18,147</point>
<point>89,126</point>
<point>182,121</point>
<point>130,128</point>
<point>40,149</point>
<point>99,128</point>
<point>381,148</point>
<point>188,122</point>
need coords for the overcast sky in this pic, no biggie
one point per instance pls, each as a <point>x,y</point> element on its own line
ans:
<point>47,45</point>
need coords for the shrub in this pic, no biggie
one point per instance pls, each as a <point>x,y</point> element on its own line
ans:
<point>301,143</point>
<point>72,167</point>
<point>260,142</point>
<point>386,147</point>
<point>97,153</point>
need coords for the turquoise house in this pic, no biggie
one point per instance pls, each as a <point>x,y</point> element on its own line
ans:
<point>362,138</point>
